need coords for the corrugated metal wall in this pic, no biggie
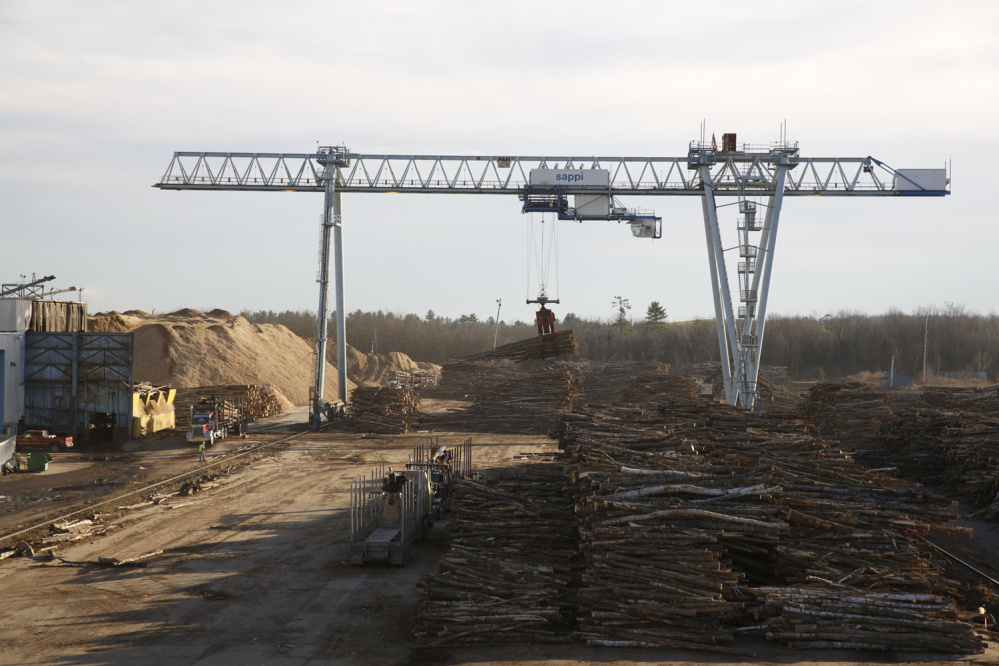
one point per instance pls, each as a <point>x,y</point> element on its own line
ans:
<point>15,314</point>
<point>58,317</point>
<point>70,376</point>
<point>10,375</point>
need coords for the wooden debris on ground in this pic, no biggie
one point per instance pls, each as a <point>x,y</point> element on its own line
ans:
<point>138,561</point>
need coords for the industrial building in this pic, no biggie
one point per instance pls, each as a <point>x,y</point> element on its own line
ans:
<point>57,376</point>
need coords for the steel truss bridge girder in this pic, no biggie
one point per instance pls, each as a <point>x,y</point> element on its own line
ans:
<point>768,173</point>
<point>751,174</point>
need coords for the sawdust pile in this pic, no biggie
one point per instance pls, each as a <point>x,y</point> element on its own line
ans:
<point>188,348</point>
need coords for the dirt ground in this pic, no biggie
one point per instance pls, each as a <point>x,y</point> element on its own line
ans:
<point>77,474</point>
<point>255,571</point>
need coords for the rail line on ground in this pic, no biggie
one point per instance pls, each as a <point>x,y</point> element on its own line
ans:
<point>227,458</point>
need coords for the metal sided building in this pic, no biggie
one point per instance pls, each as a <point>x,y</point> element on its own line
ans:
<point>15,315</point>
<point>75,380</point>
<point>55,375</point>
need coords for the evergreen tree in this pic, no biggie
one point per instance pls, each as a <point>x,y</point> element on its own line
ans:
<point>655,315</point>
<point>622,305</point>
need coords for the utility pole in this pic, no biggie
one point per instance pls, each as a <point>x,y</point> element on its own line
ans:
<point>926,335</point>
<point>499,304</point>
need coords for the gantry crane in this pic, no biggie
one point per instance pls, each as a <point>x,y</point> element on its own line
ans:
<point>758,177</point>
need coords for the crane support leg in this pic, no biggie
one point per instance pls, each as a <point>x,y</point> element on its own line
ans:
<point>341,313</point>
<point>761,282</point>
<point>331,230</point>
<point>727,342</point>
<point>739,343</point>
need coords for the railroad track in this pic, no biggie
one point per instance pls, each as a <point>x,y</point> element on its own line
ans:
<point>226,459</point>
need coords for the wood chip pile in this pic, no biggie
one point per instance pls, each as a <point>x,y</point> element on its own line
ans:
<point>508,575</point>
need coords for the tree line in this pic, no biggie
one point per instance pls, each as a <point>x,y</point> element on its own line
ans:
<point>834,345</point>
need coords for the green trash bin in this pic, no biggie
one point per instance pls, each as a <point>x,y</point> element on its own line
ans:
<point>39,462</point>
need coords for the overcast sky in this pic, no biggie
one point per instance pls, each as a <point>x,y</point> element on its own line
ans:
<point>95,97</point>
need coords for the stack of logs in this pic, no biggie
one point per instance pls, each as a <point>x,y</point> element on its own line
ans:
<point>508,575</point>
<point>834,619</point>
<point>560,343</point>
<point>384,409</point>
<point>942,437</point>
<point>685,503</point>
<point>949,441</point>
<point>504,400</point>
<point>260,401</point>
<point>699,522</point>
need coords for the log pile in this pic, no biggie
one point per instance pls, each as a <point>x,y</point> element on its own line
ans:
<point>459,379</point>
<point>856,620</point>
<point>950,441</point>
<point>944,438</point>
<point>848,413</point>
<point>773,397</point>
<point>696,522</point>
<point>507,400</point>
<point>260,401</point>
<point>685,507</point>
<point>382,409</point>
<point>560,343</point>
<point>605,384</point>
<point>508,575</point>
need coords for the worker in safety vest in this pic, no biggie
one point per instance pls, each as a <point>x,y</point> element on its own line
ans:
<point>201,451</point>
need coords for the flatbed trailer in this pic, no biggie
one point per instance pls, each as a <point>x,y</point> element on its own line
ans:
<point>388,511</point>
<point>384,522</point>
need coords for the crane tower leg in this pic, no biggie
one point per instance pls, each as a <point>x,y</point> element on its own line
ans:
<point>740,343</point>
<point>331,230</point>
<point>727,342</point>
<point>761,281</point>
<point>341,333</point>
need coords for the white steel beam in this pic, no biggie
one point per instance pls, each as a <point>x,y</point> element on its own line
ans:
<point>728,341</point>
<point>716,293</point>
<point>482,174</point>
<point>770,172</point>
<point>762,279</point>
<point>330,219</point>
<point>341,313</point>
